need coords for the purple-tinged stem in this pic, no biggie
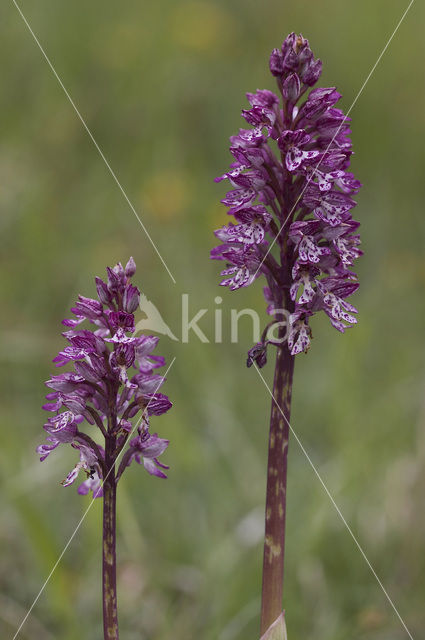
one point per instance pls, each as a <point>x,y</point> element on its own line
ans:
<point>109,566</point>
<point>274,540</point>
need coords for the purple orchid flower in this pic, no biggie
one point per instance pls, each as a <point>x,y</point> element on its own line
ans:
<point>292,195</point>
<point>111,382</point>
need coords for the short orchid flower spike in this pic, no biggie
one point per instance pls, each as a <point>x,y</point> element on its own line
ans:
<point>109,392</point>
<point>291,197</point>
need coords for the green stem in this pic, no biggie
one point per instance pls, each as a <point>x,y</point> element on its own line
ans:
<point>274,541</point>
<point>110,616</point>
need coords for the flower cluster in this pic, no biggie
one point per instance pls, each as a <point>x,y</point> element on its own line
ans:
<point>101,390</point>
<point>292,193</point>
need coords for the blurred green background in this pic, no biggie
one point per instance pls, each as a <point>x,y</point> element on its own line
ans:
<point>161,85</point>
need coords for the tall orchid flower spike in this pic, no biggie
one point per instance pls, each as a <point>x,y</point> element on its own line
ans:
<point>291,199</point>
<point>111,388</point>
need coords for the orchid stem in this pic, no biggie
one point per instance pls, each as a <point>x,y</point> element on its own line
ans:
<point>109,567</point>
<point>274,540</point>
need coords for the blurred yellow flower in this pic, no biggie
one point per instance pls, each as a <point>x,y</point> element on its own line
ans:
<point>166,193</point>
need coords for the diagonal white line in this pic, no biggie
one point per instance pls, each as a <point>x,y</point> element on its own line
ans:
<point>310,178</point>
<point>338,510</point>
<point>102,155</point>
<point>55,566</point>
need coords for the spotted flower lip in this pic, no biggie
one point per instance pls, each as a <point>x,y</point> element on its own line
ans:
<point>292,143</point>
<point>244,263</point>
<point>246,233</point>
<point>291,195</point>
<point>238,198</point>
<point>111,382</point>
<point>61,421</point>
